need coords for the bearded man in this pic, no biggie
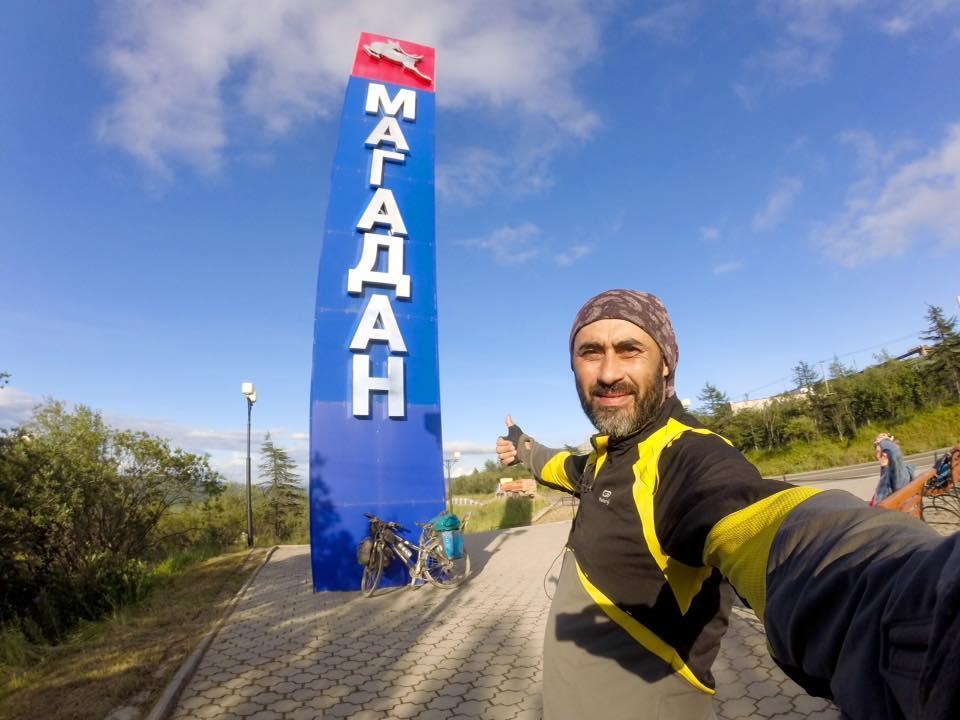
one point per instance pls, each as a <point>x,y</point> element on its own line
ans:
<point>850,597</point>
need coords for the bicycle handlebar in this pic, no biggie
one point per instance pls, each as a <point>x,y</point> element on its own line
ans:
<point>386,523</point>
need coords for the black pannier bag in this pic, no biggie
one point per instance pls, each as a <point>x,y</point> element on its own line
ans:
<point>364,551</point>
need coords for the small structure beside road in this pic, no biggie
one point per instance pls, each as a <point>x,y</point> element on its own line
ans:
<point>512,487</point>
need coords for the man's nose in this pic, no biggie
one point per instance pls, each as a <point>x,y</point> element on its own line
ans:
<point>611,369</point>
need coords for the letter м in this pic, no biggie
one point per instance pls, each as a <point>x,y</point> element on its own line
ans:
<point>405,101</point>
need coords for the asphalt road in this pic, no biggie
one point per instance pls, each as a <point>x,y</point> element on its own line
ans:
<point>861,480</point>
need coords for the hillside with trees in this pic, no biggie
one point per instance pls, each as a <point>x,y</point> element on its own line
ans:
<point>810,427</point>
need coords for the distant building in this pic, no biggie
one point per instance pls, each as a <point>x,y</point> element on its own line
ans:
<point>759,403</point>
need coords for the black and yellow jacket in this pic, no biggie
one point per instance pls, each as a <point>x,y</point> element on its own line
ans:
<point>669,512</point>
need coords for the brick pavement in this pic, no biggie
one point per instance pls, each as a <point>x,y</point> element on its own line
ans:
<point>472,652</point>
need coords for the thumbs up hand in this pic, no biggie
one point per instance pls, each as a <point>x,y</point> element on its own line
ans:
<point>507,446</point>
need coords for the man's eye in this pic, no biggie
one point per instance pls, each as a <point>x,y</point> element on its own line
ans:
<point>589,353</point>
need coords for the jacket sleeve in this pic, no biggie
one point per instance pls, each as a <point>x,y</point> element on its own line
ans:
<point>860,605</point>
<point>884,486</point>
<point>559,469</point>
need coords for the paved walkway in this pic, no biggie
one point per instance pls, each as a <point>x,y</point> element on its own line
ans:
<point>473,652</point>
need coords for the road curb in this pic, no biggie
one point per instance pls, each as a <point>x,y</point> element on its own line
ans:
<point>165,703</point>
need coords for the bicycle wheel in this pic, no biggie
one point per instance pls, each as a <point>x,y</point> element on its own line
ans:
<point>441,570</point>
<point>372,572</point>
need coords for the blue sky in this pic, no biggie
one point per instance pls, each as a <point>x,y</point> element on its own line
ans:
<point>785,174</point>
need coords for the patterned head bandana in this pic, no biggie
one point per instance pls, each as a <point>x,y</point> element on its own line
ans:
<point>643,310</point>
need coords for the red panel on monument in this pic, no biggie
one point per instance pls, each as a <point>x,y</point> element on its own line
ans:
<point>382,59</point>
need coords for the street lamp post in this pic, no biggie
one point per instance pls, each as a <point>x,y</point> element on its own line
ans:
<point>250,393</point>
<point>449,461</point>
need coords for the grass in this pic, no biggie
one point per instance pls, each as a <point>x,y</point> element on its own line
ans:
<point>502,513</point>
<point>928,430</point>
<point>129,657</point>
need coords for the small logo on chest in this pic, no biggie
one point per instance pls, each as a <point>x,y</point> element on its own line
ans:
<point>605,497</point>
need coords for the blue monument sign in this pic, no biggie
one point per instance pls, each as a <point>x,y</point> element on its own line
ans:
<point>375,440</point>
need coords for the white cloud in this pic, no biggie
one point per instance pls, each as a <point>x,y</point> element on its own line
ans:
<point>15,407</point>
<point>474,173</point>
<point>616,225</point>
<point>809,33</point>
<point>191,77</point>
<point>671,21</point>
<point>572,254</point>
<point>896,207</point>
<point>510,245</point>
<point>523,169</point>
<point>897,25</point>
<point>727,267</point>
<point>778,204</point>
<point>467,447</point>
<point>227,448</point>
<point>815,21</point>
<point>745,93</point>
<point>709,232</point>
<point>908,15</point>
<point>793,64</point>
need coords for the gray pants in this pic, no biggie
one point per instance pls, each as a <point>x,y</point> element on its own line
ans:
<point>592,668</point>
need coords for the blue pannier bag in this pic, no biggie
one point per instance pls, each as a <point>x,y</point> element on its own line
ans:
<point>447,525</point>
<point>944,473</point>
<point>445,521</point>
<point>452,543</point>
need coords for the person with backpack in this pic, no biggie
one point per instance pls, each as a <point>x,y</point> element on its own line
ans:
<point>895,473</point>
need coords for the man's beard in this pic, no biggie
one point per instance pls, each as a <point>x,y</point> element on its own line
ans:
<point>618,422</point>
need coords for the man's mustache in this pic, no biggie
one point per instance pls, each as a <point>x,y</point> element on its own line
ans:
<point>618,388</point>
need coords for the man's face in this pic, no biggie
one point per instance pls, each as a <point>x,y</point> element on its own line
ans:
<point>620,376</point>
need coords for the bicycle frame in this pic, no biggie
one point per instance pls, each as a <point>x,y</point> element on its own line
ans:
<point>411,554</point>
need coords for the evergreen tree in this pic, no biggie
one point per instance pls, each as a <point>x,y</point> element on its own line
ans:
<point>715,402</point>
<point>944,361</point>
<point>281,486</point>
<point>838,370</point>
<point>805,375</point>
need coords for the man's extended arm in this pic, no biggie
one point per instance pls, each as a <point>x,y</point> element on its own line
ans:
<point>559,469</point>
<point>860,605</point>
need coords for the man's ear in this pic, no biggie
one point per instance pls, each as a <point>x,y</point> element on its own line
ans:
<point>666,370</point>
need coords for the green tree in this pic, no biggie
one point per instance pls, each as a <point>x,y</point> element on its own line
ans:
<point>281,486</point>
<point>80,505</point>
<point>485,481</point>
<point>805,375</point>
<point>801,427</point>
<point>714,402</point>
<point>773,417</point>
<point>944,361</point>
<point>838,370</point>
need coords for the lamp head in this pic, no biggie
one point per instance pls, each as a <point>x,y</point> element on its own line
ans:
<point>249,392</point>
